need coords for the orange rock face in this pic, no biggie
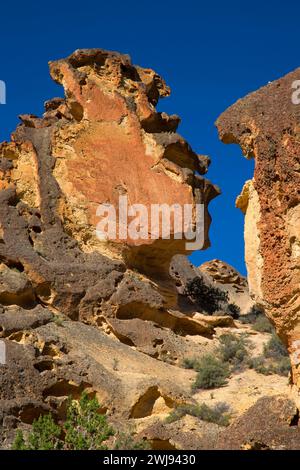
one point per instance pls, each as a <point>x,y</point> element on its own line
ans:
<point>109,142</point>
<point>266,124</point>
<point>103,142</point>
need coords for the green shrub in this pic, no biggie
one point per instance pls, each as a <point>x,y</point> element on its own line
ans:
<point>45,435</point>
<point>233,348</point>
<point>275,348</point>
<point>58,320</point>
<point>214,370</point>
<point>83,429</point>
<point>233,354</point>
<point>19,442</point>
<point>217,414</point>
<point>263,325</point>
<point>207,296</point>
<point>283,366</point>
<point>190,363</point>
<point>275,359</point>
<point>127,442</point>
<point>212,373</point>
<point>233,310</point>
<point>263,366</point>
<point>259,365</point>
<point>254,313</point>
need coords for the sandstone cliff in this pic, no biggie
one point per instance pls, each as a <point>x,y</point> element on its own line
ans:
<point>266,126</point>
<point>117,317</point>
<point>105,139</point>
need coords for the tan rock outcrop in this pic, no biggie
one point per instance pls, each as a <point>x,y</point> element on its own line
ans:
<point>228,278</point>
<point>103,141</point>
<point>85,313</point>
<point>215,274</point>
<point>270,424</point>
<point>108,123</point>
<point>109,317</point>
<point>266,126</point>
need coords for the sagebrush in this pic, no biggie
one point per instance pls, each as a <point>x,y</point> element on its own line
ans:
<point>218,414</point>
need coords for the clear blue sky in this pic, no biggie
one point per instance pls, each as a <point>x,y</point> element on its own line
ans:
<point>210,53</point>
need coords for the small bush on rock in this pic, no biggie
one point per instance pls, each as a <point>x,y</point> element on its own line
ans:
<point>263,325</point>
<point>275,359</point>
<point>212,373</point>
<point>259,365</point>
<point>255,312</point>
<point>84,429</point>
<point>283,367</point>
<point>275,348</point>
<point>233,348</point>
<point>233,310</point>
<point>218,414</point>
<point>207,296</point>
<point>280,367</point>
<point>45,435</point>
<point>190,363</point>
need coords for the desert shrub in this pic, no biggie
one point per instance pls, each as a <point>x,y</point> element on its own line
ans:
<point>212,373</point>
<point>214,370</point>
<point>83,429</point>
<point>275,359</point>
<point>233,348</point>
<point>263,325</point>
<point>233,310</point>
<point>275,348</point>
<point>207,296</point>
<point>45,435</point>
<point>263,366</point>
<point>125,441</point>
<point>259,365</point>
<point>254,313</point>
<point>218,414</point>
<point>19,442</point>
<point>283,366</point>
<point>190,363</point>
<point>58,320</point>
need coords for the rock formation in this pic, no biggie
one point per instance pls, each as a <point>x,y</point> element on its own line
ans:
<point>266,126</point>
<point>106,124</point>
<point>215,273</point>
<point>104,140</point>
<point>270,424</point>
<point>228,278</point>
<point>114,317</point>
